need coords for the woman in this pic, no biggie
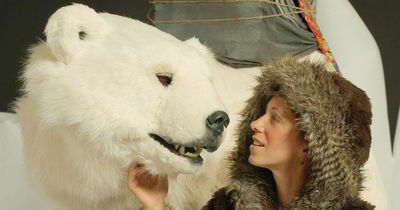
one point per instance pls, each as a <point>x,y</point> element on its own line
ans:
<point>301,144</point>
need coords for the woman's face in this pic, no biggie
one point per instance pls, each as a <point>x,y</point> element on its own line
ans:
<point>277,143</point>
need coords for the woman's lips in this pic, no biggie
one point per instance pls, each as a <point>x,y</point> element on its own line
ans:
<point>257,142</point>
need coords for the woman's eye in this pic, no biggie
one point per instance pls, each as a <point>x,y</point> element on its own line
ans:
<point>273,119</point>
<point>164,78</point>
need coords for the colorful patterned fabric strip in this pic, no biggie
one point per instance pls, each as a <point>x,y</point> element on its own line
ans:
<point>309,18</point>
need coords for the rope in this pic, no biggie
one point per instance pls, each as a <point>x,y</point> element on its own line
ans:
<point>221,1</point>
<point>221,19</point>
<point>298,10</point>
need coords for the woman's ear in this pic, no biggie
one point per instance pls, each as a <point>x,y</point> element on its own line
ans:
<point>301,138</point>
<point>303,151</point>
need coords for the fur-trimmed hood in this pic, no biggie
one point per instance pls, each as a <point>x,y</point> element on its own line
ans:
<point>335,117</point>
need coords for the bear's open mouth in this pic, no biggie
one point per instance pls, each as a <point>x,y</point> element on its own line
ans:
<point>192,153</point>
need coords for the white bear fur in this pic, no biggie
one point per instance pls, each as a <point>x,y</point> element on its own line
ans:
<point>90,103</point>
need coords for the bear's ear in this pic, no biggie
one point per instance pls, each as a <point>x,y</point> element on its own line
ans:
<point>194,42</point>
<point>70,28</point>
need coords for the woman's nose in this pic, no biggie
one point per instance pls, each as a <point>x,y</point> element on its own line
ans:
<point>256,126</point>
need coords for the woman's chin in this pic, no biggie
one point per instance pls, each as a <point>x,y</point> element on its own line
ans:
<point>253,160</point>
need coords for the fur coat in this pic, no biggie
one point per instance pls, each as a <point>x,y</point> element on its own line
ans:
<point>335,117</point>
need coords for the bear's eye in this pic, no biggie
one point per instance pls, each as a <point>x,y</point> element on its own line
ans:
<point>164,78</point>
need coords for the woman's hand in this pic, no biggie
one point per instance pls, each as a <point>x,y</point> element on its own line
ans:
<point>149,190</point>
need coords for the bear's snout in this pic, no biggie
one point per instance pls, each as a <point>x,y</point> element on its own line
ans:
<point>217,121</point>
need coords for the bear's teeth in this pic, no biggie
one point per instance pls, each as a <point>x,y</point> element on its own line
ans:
<point>191,155</point>
<point>198,151</point>
<point>195,154</point>
<point>182,150</point>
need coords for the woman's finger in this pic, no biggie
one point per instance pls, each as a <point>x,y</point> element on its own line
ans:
<point>134,175</point>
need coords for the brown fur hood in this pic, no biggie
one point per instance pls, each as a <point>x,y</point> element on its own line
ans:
<point>335,117</point>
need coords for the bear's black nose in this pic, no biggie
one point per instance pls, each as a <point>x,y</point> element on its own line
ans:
<point>217,121</point>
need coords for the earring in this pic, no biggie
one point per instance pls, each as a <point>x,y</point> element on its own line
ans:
<point>301,160</point>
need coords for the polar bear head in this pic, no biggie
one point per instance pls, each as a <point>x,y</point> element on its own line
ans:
<point>124,91</point>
